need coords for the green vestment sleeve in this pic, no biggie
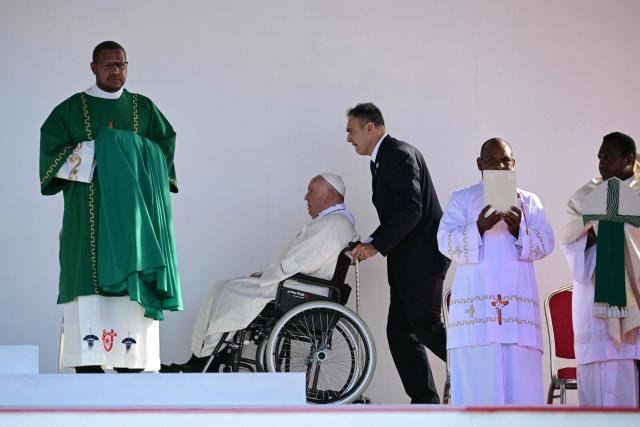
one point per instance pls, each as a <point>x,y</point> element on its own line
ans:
<point>161,132</point>
<point>56,144</point>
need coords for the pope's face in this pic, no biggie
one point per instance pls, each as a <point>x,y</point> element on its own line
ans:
<point>360,135</point>
<point>110,69</point>
<point>316,197</point>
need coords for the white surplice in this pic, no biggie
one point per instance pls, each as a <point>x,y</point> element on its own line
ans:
<point>110,332</point>
<point>233,304</point>
<point>494,298</point>
<point>595,348</point>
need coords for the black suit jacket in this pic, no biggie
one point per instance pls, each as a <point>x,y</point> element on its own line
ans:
<point>409,213</point>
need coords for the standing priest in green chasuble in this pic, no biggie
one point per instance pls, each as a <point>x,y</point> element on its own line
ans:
<point>110,152</point>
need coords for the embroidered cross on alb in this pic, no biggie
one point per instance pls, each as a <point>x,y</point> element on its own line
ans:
<point>498,304</point>
<point>471,311</point>
<point>456,252</point>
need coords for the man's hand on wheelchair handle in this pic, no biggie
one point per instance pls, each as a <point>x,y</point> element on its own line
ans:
<point>364,251</point>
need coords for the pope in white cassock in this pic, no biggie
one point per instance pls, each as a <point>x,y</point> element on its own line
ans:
<point>233,304</point>
<point>603,252</point>
<point>493,330</point>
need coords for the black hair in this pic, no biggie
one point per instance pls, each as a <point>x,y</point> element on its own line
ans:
<point>106,45</point>
<point>367,112</point>
<point>626,144</point>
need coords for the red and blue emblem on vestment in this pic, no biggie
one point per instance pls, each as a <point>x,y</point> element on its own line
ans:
<point>90,339</point>
<point>128,343</point>
<point>107,339</point>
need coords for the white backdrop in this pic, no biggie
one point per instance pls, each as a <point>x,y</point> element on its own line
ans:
<point>257,92</point>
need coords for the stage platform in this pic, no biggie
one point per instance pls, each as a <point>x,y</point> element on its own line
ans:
<point>245,399</point>
<point>311,416</point>
<point>151,390</point>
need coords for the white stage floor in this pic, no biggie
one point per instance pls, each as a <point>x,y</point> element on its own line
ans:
<point>333,416</point>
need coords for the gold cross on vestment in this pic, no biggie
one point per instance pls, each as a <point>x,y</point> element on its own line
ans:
<point>498,304</point>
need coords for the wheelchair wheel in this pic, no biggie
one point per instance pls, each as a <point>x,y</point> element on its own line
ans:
<point>330,344</point>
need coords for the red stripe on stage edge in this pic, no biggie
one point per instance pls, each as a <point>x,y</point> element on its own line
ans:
<point>324,409</point>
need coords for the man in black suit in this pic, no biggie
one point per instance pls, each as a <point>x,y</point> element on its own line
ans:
<point>409,214</point>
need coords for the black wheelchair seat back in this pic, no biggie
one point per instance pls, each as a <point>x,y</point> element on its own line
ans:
<point>338,290</point>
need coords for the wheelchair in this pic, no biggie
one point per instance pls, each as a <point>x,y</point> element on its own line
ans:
<point>307,331</point>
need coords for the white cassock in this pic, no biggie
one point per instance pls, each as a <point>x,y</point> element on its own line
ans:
<point>493,330</point>
<point>606,350</point>
<point>233,304</point>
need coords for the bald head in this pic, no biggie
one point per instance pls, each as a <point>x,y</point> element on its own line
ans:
<point>494,141</point>
<point>496,154</point>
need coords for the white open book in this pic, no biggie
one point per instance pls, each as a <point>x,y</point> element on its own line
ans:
<point>500,190</point>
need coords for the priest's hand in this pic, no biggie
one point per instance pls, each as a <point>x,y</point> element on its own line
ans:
<point>513,217</point>
<point>592,239</point>
<point>364,251</point>
<point>487,222</point>
<point>257,274</point>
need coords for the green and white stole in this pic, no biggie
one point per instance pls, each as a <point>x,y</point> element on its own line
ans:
<point>610,298</point>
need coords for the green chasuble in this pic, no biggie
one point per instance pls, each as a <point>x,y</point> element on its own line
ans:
<point>136,250</point>
<point>83,118</point>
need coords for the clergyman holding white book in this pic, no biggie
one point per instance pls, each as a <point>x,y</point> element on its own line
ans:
<point>494,231</point>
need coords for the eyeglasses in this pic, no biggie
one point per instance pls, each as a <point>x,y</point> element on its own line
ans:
<point>107,66</point>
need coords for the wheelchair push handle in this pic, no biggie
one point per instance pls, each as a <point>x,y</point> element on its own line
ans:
<point>355,262</point>
<point>351,246</point>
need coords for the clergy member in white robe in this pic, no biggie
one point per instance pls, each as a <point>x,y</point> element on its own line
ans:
<point>493,330</point>
<point>314,251</point>
<point>606,346</point>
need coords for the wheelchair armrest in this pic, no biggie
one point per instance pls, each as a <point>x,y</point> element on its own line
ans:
<point>310,279</point>
<point>304,278</point>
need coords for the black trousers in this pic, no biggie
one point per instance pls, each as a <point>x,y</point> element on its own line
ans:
<point>413,324</point>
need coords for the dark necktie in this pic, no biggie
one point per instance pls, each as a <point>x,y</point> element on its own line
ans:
<point>372,166</point>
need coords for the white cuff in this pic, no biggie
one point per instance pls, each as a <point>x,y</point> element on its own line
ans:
<point>80,164</point>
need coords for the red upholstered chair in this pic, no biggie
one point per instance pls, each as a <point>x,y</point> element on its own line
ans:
<point>446,301</point>
<point>557,310</point>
